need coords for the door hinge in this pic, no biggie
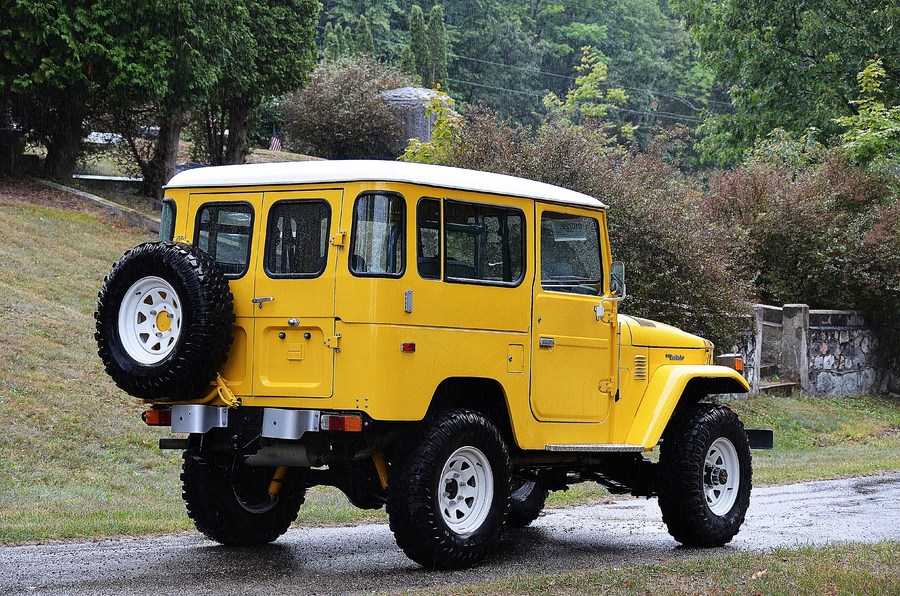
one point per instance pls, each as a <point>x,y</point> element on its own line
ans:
<point>606,385</point>
<point>334,342</point>
<point>339,239</point>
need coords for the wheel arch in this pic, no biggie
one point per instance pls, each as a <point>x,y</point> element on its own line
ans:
<point>481,394</point>
<point>676,386</point>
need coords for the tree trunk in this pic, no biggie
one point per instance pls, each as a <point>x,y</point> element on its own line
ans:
<point>238,130</point>
<point>64,132</point>
<point>162,167</point>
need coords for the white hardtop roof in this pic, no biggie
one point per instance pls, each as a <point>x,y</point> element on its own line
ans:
<point>313,172</point>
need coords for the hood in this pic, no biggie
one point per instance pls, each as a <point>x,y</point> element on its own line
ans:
<point>659,335</point>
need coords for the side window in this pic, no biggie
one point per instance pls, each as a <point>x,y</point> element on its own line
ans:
<point>223,231</point>
<point>428,238</point>
<point>570,254</point>
<point>379,231</point>
<point>297,238</point>
<point>167,221</point>
<point>484,243</point>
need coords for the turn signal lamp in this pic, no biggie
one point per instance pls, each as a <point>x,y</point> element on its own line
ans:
<point>735,361</point>
<point>341,422</point>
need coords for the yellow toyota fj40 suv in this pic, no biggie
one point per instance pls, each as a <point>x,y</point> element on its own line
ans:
<point>444,342</point>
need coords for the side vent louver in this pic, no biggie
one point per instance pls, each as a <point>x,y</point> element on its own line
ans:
<point>640,368</point>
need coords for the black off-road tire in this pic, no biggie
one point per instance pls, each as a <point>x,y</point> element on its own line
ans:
<point>688,485</point>
<point>230,503</point>
<point>205,313</point>
<point>418,483</point>
<point>526,502</point>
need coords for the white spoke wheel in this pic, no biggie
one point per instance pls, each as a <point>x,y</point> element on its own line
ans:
<point>164,317</point>
<point>150,320</point>
<point>449,490</point>
<point>465,490</point>
<point>721,476</point>
<point>704,476</point>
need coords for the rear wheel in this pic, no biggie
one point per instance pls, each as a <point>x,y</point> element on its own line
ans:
<point>231,503</point>
<point>705,476</point>
<point>526,502</point>
<point>448,498</point>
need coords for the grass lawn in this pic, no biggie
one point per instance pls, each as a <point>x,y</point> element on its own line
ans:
<point>863,569</point>
<point>77,462</point>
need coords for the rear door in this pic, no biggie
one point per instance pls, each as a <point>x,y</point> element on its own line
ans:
<point>226,226</point>
<point>293,301</point>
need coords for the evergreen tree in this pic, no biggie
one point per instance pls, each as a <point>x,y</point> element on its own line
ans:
<point>437,45</point>
<point>347,46</point>
<point>332,50</point>
<point>418,43</point>
<point>408,61</point>
<point>365,45</point>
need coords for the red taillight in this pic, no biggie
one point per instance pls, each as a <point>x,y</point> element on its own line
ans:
<point>408,346</point>
<point>343,423</point>
<point>157,417</point>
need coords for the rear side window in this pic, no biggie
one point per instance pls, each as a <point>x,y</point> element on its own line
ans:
<point>484,243</point>
<point>379,235</point>
<point>570,254</point>
<point>428,238</point>
<point>223,231</point>
<point>297,239</point>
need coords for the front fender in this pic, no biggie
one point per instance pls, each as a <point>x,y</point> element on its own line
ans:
<point>666,388</point>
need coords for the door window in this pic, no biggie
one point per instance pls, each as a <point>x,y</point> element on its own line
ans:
<point>297,239</point>
<point>570,254</point>
<point>223,231</point>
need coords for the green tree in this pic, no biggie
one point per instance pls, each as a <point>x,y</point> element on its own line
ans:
<point>348,47</point>
<point>418,43</point>
<point>272,52</point>
<point>873,132</point>
<point>790,64</point>
<point>48,55</point>
<point>365,45</point>
<point>331,47</point>
<point>437,49</point>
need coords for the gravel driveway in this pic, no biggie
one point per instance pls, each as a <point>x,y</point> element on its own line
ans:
<point>365,558</point>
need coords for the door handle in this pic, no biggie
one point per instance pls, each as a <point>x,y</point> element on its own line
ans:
<point>260,301</point>
<point>547,342</point>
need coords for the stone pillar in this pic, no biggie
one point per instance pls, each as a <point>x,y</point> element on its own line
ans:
<point>795,345</point>
<point>756,360</point>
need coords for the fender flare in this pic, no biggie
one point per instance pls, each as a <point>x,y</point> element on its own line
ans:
<point>665,390</point>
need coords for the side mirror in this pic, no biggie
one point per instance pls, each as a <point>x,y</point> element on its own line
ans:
<point>617,279</point>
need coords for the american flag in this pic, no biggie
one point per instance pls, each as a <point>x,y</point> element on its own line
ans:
<point>274,142</point>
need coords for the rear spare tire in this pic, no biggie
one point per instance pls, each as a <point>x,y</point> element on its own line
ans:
<point>164,319</point>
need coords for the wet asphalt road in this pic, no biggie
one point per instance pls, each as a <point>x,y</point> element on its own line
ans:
<point>365,558</point>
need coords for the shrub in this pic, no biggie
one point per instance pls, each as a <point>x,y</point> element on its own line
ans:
<point>340,114</point>
<point>827,236</point>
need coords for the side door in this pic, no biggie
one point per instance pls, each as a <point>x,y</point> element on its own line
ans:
<point>293,301</point>
<point>572,352</point>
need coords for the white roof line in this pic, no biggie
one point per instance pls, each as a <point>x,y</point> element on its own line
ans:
<point>313,172</point>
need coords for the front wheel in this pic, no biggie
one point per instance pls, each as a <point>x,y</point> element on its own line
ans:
<point>448,499</point>
<point>705,476</point>
<point>230,502</point>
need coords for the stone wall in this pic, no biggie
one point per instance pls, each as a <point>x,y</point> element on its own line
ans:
<point>821,352</point>
<point>843,353</point>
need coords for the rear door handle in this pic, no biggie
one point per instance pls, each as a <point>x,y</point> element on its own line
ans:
<point>547,342</point>
<point>263,299</point>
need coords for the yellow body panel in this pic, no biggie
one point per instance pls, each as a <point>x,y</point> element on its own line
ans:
<point>333,342</point>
